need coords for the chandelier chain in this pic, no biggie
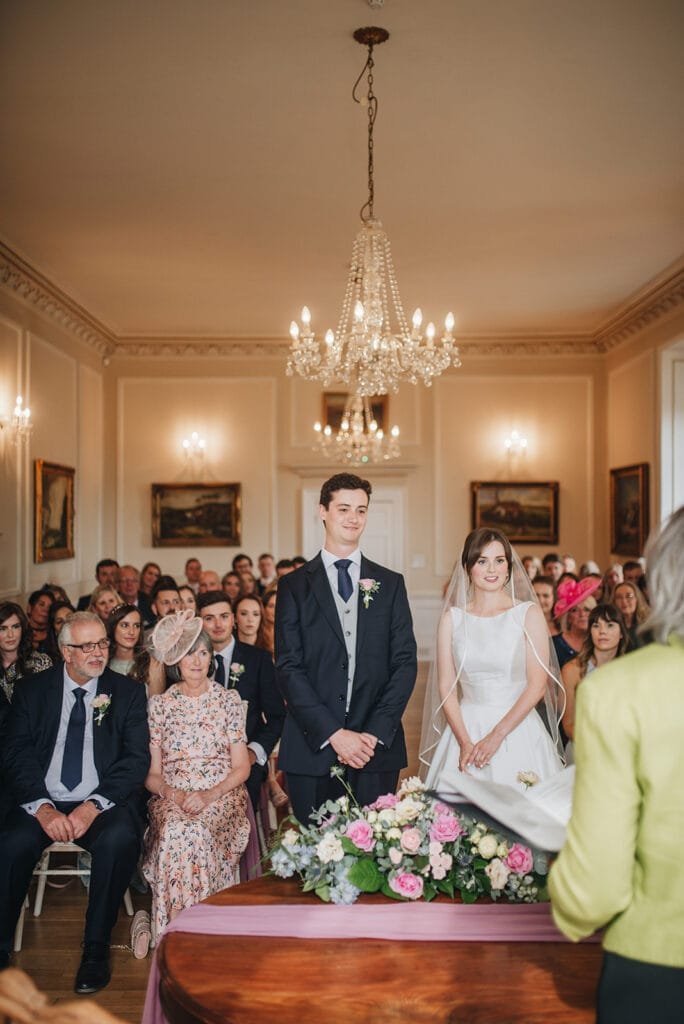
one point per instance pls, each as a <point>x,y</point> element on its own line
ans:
<point>371,103</point>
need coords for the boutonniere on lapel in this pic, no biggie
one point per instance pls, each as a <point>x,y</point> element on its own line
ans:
<point>236,670</point>
<point>101,705</point>
<point>368,588</point>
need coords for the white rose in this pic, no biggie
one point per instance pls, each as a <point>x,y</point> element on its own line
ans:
<point>394,833</point>
<point>434,848</point>
<point>487,847</point>
<point>502,850</point>
<point>290,838</point>
<point>329,848</point>
<point>498,873</point>
<point>343,803</point>
<point>407,810</point>
<point>475,837</point>
<point>395,855</point>
<point>411,785</point>
<point>372,816</point>
<point>387,816</point>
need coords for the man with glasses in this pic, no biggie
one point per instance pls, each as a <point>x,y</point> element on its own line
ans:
<point>76,757</point>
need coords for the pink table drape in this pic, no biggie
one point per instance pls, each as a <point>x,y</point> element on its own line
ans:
<point>422,922</point>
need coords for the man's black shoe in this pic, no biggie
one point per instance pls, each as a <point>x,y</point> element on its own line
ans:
<point>5,957</point>
<point>94,972</point>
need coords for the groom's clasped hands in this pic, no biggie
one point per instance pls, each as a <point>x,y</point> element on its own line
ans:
<point>353,748</point>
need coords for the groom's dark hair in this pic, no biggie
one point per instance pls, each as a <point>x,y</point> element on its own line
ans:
<point>343,482</point>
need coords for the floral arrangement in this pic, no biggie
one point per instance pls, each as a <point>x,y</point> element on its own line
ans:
<point>101,705</point>
<point>368,588</point>
<point>407,846</point>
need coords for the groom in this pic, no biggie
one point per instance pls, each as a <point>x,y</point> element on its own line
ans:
<point>345,661</point>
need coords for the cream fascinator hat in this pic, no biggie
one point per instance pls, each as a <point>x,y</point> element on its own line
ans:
<point>174,635</point>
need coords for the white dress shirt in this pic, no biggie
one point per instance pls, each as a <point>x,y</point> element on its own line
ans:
<point>227,655</point>
<point>86,789</point>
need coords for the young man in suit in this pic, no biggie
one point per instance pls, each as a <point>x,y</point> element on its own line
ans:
<point>250,670</point>
<point>345,661</point>
<point>76,757</point>
<point>106,574</point>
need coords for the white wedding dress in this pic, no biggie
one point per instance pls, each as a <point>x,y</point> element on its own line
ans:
<point>493,651</point>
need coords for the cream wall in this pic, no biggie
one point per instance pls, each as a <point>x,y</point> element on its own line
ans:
<point>60,380</point>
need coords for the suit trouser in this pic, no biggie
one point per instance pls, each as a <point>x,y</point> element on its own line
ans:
<point>257,777</point>
<point>113,840</point>
<point>308,792</point>
<point>634,992</point>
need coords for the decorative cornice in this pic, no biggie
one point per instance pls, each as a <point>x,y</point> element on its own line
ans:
<point>28,284</point>
<point>657,300</point>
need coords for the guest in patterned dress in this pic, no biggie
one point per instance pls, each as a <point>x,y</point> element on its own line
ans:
<point>198,814</point>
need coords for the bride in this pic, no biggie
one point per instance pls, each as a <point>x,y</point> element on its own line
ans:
<point>494,699</point>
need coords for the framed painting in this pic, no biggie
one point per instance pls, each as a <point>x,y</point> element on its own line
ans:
<point>332,409</point>
<point>54,511</point>
<point>629,518</point>
<point>526,512</point>
<point>196,515</point>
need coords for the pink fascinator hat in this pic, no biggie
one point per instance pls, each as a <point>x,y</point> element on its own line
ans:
<point>571,593</point>
<point>174,635</point>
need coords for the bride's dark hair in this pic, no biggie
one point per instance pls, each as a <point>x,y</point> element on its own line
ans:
<point>477,541</point>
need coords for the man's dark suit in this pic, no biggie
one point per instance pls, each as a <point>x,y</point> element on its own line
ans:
<point>265,707</point>
<point>122,757</point>
<point>311,671</point>
<point>83,603</point>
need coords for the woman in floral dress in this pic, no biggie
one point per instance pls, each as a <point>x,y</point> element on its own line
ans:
<point>199,762</point>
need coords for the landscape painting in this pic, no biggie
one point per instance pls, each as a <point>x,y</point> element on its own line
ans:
<point>526,512</point>
<point>196,515</point>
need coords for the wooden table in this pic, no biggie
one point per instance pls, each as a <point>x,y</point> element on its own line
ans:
<point>230,979</point>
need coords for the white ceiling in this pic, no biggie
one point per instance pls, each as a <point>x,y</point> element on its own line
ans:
<point>196,168</point>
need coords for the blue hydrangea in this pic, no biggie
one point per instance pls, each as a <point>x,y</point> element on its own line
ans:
<point>344,892</point>
<point>282,864</point>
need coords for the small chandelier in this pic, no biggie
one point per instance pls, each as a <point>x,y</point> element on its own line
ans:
<point>359,440</point>
<point>373,348</point>
<point>19,422</point>
<point>194,447</point>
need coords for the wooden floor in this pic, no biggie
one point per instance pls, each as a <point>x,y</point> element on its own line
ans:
<point>51,947</point>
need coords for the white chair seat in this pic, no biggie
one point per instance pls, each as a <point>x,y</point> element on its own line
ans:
<point>43,870</point>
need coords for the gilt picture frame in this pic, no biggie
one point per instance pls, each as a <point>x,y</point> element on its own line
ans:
<point>629,509</point>
<point>53,511</point>
<point>196,515</point>
<point>526,512</point>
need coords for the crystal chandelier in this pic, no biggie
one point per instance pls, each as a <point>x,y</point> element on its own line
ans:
<point>373,348</point>
<point>359,440</point>
<point>19,423</point>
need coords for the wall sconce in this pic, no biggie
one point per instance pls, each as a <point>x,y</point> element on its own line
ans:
<point>19,423</point>
<point>194,447</point>
<point>515,443</point>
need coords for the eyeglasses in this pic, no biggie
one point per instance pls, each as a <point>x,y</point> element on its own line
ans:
<point>89,648</point>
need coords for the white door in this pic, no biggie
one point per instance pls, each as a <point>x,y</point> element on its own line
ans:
<point>383,538</point>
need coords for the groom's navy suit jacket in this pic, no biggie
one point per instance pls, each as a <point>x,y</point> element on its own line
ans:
<point>121,743</point>
<point>311,668</point>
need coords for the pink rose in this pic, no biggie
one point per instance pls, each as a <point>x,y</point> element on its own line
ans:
<point>519,859</point>
<point>445,828</point>
<point>387,800</point>
<point>396,856</point>
<point>361,835</point>
<point>407,885</point>
<point>366,584</point>
<point>442,808</point>
<point>410,840</point>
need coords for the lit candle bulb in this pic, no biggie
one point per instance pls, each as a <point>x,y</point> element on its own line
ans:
<point>317,427</point>
<point>394,431</point>
<point>430,333</point>
<point>417,319</point>
<point>449,322</point>
<point>358,311</point>
<point>306,316</point>
<point>327,430</point>
<point>329,338</point>
<point>294,330</point>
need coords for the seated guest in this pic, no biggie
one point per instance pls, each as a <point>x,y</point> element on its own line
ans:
<point>552,566</point>
<point>268,621</point>
<point>231,585</point>
<point>574,603</point>
<point>249,616</point>
<point>589,569</point>
<point>149,574</point>
<point>248,584</point>
<point>188,598</point>
<point>612,577</point>
<point>193,572</point>
<point>58,592</point>
<point>76,779</point>
<point>198,822</point>
<point>620,867</point>
<point>17,657</point>
<point>106,574</point>
<point>633,572</point>
<point>628,598</point>
<point>250,671</point>
<point>103,599</point>
<point>165,598</point>
<point>606,639</point>
<point>129,585</point>
<point>242,563</point>
<point>545,590</point>
<point>267,572</point>
<point>59,613</point>
<point>127,651</point>
<point>569,564</point>
<point>38,611</point>
<point>209,580</point>
<point>532,566</point>
<point>298,561</point>
<point>284,566</point>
